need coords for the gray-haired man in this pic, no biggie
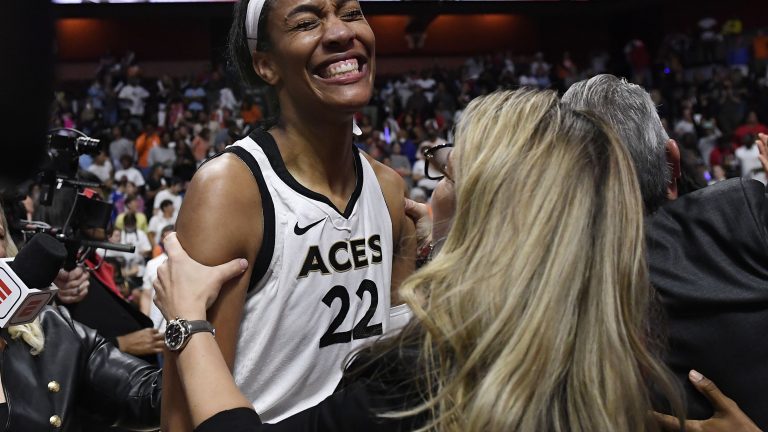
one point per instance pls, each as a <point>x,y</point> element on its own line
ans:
<point>707,253</point>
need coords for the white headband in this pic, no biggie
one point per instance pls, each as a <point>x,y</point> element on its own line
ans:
<point>252,22</point>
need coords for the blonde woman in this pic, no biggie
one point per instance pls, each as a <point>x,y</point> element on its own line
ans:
<point>54,369</point>
<point>531,317</point>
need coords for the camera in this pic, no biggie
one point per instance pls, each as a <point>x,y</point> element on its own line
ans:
<point>81,215</point>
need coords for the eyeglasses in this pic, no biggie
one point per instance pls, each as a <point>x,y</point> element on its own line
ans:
<point>436,161</point>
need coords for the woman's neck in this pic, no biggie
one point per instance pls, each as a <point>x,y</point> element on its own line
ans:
<point>318,153</point>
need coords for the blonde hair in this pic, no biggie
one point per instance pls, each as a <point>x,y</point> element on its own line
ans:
<point>31,333</point>
<point>535,306</point>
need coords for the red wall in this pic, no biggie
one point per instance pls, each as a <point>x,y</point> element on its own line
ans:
<point>457,34</point>
<point>86,39</point>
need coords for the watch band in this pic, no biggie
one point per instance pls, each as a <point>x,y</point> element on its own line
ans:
<point>198,326</point>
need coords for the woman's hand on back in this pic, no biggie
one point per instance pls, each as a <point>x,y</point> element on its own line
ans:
<point>184,287</point>
<point>728,417</point>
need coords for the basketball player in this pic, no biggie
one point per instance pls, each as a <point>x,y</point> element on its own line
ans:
<point>322,223</point>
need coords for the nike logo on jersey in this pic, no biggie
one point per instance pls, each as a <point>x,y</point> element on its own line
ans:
<point>301,231</point>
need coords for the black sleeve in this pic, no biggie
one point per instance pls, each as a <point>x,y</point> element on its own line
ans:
<point>118,388</point>
<point>234,420</point>
<point>348,410</point>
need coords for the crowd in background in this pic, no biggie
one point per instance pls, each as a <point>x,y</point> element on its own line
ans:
<point>711,90</point>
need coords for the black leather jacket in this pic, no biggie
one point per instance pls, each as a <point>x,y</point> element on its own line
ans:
<point>77,373</point>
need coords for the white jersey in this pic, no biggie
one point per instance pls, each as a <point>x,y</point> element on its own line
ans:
<point>320,287</point>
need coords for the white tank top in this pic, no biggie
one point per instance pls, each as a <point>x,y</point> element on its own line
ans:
<point>320,287</point>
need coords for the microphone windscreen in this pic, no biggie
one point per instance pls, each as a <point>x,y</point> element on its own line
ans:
<point>38,263</point>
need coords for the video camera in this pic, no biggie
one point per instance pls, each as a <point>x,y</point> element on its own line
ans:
<point>88,215</point>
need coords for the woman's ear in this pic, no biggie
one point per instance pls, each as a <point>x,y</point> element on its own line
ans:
<point>265,68</point>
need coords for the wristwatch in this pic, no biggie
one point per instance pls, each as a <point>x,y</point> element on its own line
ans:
<point>178,332</point>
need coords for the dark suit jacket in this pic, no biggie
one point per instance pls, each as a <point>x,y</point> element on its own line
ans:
<point>708,258</point>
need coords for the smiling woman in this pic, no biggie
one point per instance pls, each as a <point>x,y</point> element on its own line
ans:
<point>321,223</point>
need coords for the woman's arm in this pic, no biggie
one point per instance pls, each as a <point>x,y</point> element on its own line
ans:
<point>220,220</point>
<point>207,382</point>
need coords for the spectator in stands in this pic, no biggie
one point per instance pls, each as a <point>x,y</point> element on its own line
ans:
<point>150,275</point>
<point>400,163</point>
<point>128,172</point>
<point>708,142</point>
<point>131,190</point>
<point>686,124</point>
<point>706,253</point>
<point>201,145</point>
<point>148,140</point>
<point>155,183</point>
<point>131,235</point>
<point>723,154</point>
<point>131,207</point>
<point>171,193</point>
<point>162,154</point>
<point>120,146</point>
<point>408,148</point>
<point>250,111</point>
<point>750,128</point>
<point>102,168</point>
<point>166,216</point>
<point>195,97</point>
<point>133,96</point>
<point>748,157</point>
<point>185,164</point>
<point>732,108</point>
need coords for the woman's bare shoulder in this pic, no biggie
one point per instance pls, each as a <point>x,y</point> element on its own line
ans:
<point>220,218</point>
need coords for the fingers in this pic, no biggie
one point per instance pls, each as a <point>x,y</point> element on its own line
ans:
<point>172,246</point>
<point>415,210</point>
<point>667,422</point>
<point>231,269</point>
<point>707,387</point>
<point>158,347</point>
<point>159,296</point>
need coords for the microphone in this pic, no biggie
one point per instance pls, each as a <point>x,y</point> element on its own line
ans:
<point>26,281</point>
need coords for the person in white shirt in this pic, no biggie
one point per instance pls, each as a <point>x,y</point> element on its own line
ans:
<point>148,291</point>
<point>101,167</point>
<point>132,236</point>
<point>134,94</point>
<point>172,194</point>
<point>157,224</point>
<point>129,172</point>
<point>749,160</point>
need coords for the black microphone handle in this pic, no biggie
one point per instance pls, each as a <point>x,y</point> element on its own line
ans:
<point>109,246</point>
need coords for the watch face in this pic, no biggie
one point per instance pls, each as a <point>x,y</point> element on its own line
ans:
<point>174,335</point>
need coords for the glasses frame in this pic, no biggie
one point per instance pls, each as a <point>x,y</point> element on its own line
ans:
<point>429,154</point>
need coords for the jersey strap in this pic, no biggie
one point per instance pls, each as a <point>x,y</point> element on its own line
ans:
<point>264,257</point>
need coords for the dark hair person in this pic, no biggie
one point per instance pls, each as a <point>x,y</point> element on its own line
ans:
<point>322,222</point>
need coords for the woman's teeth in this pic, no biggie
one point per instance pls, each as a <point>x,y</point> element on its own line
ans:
<point>341,68</point>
